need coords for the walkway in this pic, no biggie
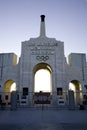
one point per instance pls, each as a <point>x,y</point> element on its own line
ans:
<point>43,120</point>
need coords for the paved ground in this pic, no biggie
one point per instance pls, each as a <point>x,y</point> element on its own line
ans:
<point>43,120</point>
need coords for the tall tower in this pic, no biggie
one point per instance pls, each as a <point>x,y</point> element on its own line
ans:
<point>42,26</point>
<point>42,53</point>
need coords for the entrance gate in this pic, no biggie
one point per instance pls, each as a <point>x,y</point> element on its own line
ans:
<point>42,98</point>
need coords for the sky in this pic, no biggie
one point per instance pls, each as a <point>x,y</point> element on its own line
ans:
<point>66,20</point>
<point>42,81</point>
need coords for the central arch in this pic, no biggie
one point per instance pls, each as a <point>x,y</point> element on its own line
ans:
<point>42,77</point>
<point>42,82</point>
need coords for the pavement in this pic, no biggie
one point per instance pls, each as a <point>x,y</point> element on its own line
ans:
<point>30,119</point>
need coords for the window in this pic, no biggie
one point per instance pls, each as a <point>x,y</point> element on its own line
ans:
<point>0,97</point>
<point>6,97</point>
<point>85,86</point>
<point>59,91</point>
<point>25,91</point>
<point>85,97</point>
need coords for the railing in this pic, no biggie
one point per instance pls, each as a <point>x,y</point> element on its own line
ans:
<point>41,100</point>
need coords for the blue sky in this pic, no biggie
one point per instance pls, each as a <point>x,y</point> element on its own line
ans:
<point>66,20</point>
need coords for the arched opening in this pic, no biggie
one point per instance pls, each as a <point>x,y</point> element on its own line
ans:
<point>9,86</point>
<point>13,87</point>
<point>76,86</point>
<point>42,82</point>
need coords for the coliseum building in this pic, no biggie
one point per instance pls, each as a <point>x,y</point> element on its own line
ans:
<point>67,81</point>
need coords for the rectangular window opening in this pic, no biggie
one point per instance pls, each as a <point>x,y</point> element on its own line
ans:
<point>59,91</point>
<point>6,97</point>
<point>25,91</point>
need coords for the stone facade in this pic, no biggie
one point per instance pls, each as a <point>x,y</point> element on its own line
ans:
<point>44,53</point>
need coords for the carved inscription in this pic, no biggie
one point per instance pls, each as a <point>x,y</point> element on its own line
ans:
<point>42,49</point>
<point>43,44</point>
